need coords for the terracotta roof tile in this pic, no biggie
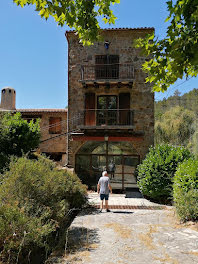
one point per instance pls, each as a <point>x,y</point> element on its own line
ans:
<point>42,110</point>
<point>124,28</point>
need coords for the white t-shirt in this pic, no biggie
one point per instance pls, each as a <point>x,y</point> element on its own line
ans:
<point>104,184</point>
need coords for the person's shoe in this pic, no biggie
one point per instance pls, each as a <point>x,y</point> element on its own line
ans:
<point>108,210</point>
<point>100,211</point>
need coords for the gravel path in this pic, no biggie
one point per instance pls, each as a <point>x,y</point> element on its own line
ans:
<point>130,236</point>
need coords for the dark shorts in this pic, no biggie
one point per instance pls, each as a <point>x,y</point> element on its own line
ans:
<point>104,196</point>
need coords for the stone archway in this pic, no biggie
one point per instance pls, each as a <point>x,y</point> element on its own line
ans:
<point>118,158</point>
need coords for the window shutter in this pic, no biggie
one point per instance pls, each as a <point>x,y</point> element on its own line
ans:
<point>124,109</point>
<point>90,119</point>
<point>55,125</point>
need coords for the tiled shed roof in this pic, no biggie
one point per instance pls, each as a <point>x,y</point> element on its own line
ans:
<point>124,28</point>
<point>5,110</point>
<point>53,110</point>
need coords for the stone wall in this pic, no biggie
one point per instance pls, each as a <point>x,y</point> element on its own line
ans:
<point>54,144</point>
<point>142,99</point>
<point>59,143</point>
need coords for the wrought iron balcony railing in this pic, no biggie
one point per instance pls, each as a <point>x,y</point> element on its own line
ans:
<point>104,117</point>
<point>107,72</point>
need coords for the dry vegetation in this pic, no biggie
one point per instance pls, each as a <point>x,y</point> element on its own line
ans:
<point>121,230</point>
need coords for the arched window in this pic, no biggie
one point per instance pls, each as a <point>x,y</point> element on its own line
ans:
<point>118,158</point>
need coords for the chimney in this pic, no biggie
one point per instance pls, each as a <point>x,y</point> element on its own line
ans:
<point>8,98</point>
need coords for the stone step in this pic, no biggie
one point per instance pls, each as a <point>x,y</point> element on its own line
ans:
<point>134,207</point>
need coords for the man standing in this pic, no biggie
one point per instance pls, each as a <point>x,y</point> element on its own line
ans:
<point>103,188</point>
<point>112,168</point>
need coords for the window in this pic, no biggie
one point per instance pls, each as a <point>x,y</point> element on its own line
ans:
<point>55,125</point>
<point>107,66</point>
<point>107,110</point>
<point>29,118</point>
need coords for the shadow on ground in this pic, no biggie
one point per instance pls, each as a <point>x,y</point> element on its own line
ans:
<point>80,241</point>
<point>122,212</point>
<point>90,210</point>
<point>81,238</point>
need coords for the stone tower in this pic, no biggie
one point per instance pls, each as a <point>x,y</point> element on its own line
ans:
<point>110,107</point>
<point>8,98</point>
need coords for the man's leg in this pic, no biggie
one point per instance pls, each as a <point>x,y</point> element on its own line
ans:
<point>107,203</point>
<point>101,203</point>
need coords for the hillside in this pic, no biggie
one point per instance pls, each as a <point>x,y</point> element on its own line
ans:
<point>188,101</point>
<point>176,120</point>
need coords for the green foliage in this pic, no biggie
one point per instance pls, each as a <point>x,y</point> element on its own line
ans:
<point>17,137</point>
<point>171,58</point>
<point>185,190</point>
<point>156,172</point>
<point>176,55</point>
<point>82,15</point>
<point>176,120</point>
<point>175,126</point>
<point>37,204</point>
<point>188,101</point>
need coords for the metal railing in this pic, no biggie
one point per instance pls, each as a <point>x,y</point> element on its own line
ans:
<point>105,117</point>
<point>107,72</point>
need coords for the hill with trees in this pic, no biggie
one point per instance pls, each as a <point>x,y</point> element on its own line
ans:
<point>176,120</point>
<point>188,101</point>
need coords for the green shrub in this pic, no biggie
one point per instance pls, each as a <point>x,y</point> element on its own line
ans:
<point>17,137</point>
<point>155,173</point>
<point>185,190</point>
<point>37,204</point>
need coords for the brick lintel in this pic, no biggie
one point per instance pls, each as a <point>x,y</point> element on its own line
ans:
<point>92,138</point>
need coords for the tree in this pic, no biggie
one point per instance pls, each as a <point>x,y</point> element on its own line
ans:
<point>82,15</point>
<point>176,127</point>
<point>177,93</point>
<point>17,137</point>
<point>175,56</point>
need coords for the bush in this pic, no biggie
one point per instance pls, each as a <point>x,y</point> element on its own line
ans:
<point>37,205</point>
<point>155,173</point>
<point>17,137</point>
<point>185,190</point>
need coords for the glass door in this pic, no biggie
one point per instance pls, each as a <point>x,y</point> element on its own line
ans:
<point>129,166</point>
<point>115,170</point>
<point>98,165</point>
<point>107,110</point>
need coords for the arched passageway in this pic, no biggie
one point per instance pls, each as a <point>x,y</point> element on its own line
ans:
<point>118,158</point>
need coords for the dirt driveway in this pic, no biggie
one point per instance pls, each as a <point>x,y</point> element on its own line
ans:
<point>130,236</point>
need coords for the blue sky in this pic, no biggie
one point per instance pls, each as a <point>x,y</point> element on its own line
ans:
<point>33,52</point>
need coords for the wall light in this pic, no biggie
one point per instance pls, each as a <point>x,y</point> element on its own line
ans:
<point>106,44</point>
<point>106,138</point>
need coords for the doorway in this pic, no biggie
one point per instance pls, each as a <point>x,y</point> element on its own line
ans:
<point>118,158</point>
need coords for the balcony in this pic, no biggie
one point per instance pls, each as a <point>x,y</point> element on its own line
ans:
<point>107,73</point>
<point>100,119</point>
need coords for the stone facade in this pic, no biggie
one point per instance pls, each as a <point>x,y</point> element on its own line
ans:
<point>53,125</point>
<point>53,141</point>
<point>141,134</point>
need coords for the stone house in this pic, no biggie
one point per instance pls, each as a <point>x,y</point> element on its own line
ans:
<point>110,107</point>
<point>53,124</point>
